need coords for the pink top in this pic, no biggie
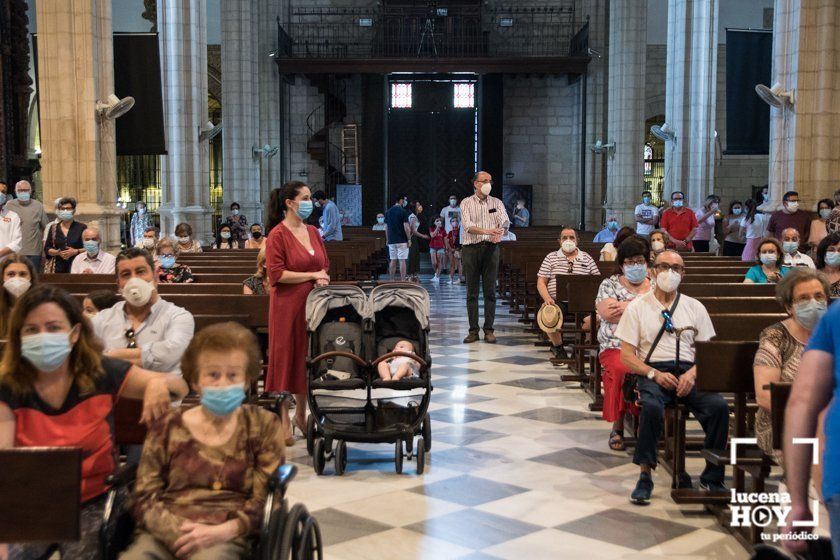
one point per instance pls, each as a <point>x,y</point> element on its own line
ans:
<point>706,228</point>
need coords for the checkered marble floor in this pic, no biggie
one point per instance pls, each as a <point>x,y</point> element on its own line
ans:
<point>519,468</point>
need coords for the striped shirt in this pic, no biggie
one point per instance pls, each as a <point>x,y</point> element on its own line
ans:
<point>489,213</point>
<point>557,263</point>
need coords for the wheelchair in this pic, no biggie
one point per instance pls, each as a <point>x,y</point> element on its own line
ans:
<point>286,533</point>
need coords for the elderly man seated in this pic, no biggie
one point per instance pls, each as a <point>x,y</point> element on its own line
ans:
<point>648,331</point>
<point>94,260</point>
<point>790,246</point>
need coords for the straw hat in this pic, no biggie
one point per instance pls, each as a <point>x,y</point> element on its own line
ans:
<point>550,318</point>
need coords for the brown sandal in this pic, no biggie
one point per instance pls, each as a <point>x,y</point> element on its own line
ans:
<point>616,442</point>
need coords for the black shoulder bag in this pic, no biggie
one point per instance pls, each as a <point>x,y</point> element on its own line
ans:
<point>628,387</point>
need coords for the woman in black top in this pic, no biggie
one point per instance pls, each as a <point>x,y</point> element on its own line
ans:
<point>64,240</point>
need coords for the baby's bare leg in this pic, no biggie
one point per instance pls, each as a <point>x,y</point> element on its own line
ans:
<point>402,371</point>
<point>384,370</point>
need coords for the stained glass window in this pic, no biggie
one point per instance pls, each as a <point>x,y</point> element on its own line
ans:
<point>401,96</point>
<point>464,95</point>
<point>648,158</point>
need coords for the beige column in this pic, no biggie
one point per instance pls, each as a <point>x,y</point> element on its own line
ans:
<point>804,137</point>
<point>76,68</point>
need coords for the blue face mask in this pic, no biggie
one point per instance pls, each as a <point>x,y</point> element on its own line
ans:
<point>736,211</point>
<point>3,198</point>
<point>612,226</point>
<point>678,203</point>
<point>768,259</point>
<point>46,351</point>
<point>92,247</point>
<point>646,199</point>
<point>24,196</point>
<point>825,213</point>
<point>65,215</point>
<point>809,313</point>
<point>221,401</point>
<point>167,261</point>
<point>380,220</point>
<point>832,259</point>
<point>304,209</point>
<point>790,247</point>
<point>635,273</point>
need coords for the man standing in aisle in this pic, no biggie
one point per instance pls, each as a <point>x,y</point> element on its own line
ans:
<point>646,215</point>
<point>330,217</point>
<point>484,221</point>
<point>33,222</point>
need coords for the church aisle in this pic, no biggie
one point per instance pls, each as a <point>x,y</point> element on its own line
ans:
<point>519,469</point>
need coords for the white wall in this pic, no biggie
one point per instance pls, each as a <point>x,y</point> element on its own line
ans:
<point>733,13</point>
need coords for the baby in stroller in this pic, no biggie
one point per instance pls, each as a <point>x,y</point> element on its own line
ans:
<point>399,367</point>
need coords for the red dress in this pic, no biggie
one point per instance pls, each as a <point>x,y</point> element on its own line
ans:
<point>287,341</point>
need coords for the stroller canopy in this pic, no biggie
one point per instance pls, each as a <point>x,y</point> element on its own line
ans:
<point>321,300</point>
<point>402,294</point>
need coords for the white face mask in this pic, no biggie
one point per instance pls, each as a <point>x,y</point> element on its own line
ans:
<point>657,246</point>
<point>137,292</point>
<point>486,188</point>
<point>17,286</point>
<point>792,207</point>
<point>568,246</point>
<point>452,202</point>
<point>148,243</point>
<point>668,281</point>
<point>183,240</point>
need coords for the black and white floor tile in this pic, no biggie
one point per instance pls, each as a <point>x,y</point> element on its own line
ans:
<point>519,469</point>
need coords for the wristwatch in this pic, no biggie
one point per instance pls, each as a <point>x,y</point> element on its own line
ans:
<point>651,374</point>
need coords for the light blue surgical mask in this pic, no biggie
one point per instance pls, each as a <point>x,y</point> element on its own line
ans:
<point>3,198</point>
<point>92,247</point>
<point>678,203</point>
<point>380,219</point>
<point>736,211</point>
<point>790,247</point>
<point>825,213</point>
<point>635,273</point>
<point>167,261</point>
<point>612,226</point>
<point>221,401</point>
<point>768,259</point>
<point>46,351</point>
<point>225,235</point>
<point>832,259</point>
<point>646,199</point>
<point>24,196</point>
<point>65,215</point>
<point>304,209</point>
<point>809,313</point>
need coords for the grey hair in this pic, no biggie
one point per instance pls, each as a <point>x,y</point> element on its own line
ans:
<point>665,236</point>
<point>167,242</point>
<point>797,275</point>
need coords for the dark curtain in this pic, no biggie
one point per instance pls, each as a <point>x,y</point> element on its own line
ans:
<point>748,62</point>
<point>491,112</point>
<point>137,73</point>
<point>373,148</point>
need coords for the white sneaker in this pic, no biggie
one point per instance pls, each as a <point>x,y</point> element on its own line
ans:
<point>435,278</point>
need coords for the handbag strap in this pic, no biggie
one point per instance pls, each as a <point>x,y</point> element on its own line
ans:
<point>661,331</point>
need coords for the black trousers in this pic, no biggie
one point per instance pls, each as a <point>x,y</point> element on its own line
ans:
<point>710,409</point>
<point>481,268</point>
<point>732,249</point>
<point>700,246</point>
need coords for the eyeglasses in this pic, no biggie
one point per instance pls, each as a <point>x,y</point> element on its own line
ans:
<point>806,298</point>
<point>637,260</point>
<point>130,335</point>
<point>665,267</point>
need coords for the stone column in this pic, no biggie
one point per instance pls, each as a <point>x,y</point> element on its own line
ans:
<point>241,106</point>
<point>269,98</point>
<point>690,99</point>
<point>626,116</point>
<point>182,30</point>
<point>804,137</point>
<point>76,68</point>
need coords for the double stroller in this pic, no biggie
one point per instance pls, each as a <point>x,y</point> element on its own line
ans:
<point>350,334</point>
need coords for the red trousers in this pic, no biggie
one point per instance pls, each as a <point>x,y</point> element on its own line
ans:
<point>613,372</point>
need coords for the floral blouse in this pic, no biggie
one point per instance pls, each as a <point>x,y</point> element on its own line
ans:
<point>255,283</point>
<point>777,348</point>
<point>612,288</point>
<point>193,247</point>
<point>180,478</point>
<point>178,274</point>
<point>238,229</point>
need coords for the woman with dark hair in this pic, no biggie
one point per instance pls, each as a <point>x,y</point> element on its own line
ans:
<point>224,238</point>
<point>186,244</point>
<point>56,389</point>
<point>97,300</point>
<point>818,229</point>
<point>238,225</point>
<point>753,228</point>
<point>769,269</point>
<point>828,261</point>
<point>257,239</point>
<point>18,276</point>
<point>296,261</point>
<point>615,293</point>
<point>610,250</point>
<point>64,239</point>
<point>414,211</point>
<point>733,243</point>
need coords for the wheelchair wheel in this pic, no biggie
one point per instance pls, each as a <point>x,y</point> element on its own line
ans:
<point>421,457</point>
<point>310,546</point>
<point>427,432</point>
<point>398,456</point>
<point>340,457</point>
<point>319,458</point>
<point>310,434</point>
<point>293,530</point>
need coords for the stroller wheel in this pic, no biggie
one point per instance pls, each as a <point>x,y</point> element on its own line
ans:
<point>318,457</point>
<point>340,457</point>
<point>310,434</point>
<point>398,456</point>
<point>421,458</point>
<point>427,432</point>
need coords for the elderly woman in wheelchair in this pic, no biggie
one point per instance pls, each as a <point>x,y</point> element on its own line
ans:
<point>204,474</point>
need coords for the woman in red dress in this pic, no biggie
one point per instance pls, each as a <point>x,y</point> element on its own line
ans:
<point>296,261</point>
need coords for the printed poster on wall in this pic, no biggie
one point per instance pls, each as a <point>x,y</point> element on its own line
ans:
<point>348,198</point>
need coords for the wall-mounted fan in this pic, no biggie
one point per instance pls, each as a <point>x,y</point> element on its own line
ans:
<point>663,132</point>
<point>267,151</point>
<point>209,131</point>
<point>775,96</point>
<point>113,107</point>
<point>600,148</point>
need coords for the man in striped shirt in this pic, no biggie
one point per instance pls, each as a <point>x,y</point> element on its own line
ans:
<point>484,221</point>
<point>568,260</point>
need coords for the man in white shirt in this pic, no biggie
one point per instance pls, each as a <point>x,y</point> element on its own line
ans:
<point>33,222</point>
<point>453,211</point>
<point>790,246</point>
<point>144,329</point>
<point>93,260</point>
<point>647,215</point>
<point>11,237</point>
<point>660,380</point>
